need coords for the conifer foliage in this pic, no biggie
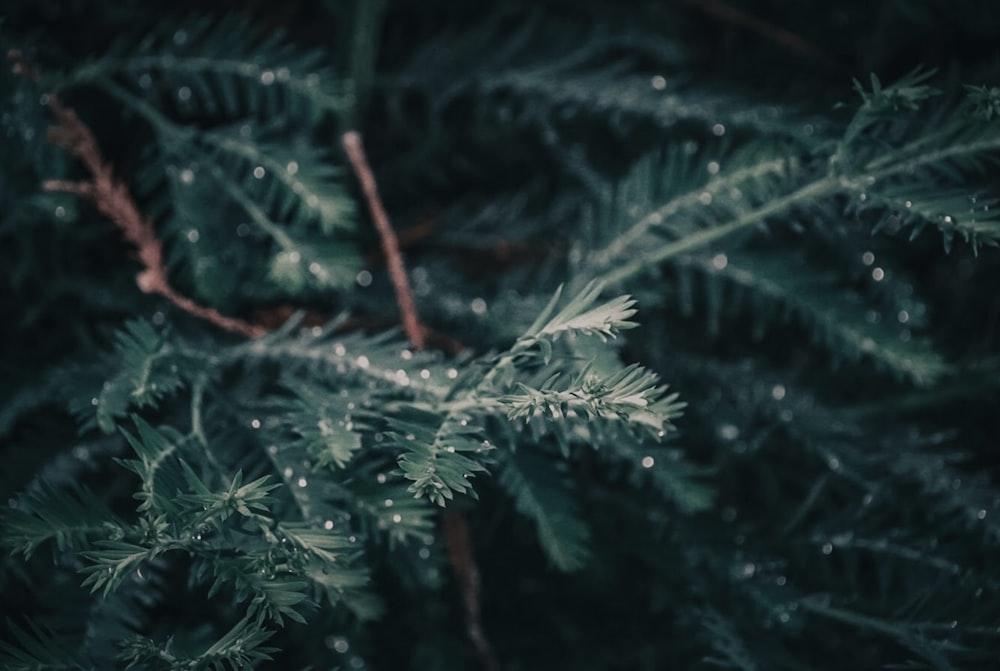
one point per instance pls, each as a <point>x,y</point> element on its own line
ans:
<point>643,336</point>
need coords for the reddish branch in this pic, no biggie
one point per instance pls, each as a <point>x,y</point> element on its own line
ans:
<point>454,526</point>
<point>112,198</point>
<point>390,244</point>
<point>459,543</point>
<point>779,36</point>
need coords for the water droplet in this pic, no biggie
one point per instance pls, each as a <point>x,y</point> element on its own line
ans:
<point>287,472</point>
<point>478,306</point>
<point>95,401</point>
<point>452,373</point>
<point>718,130</point>
<point>397,518</point>
<point>272,450</point>
<point>266,77</point>
<point>833,463</point>
<point>878,274</point>
<point>749,570</point>
<point>705,198</point>
<point>867,258</point>
<point>729,432</point>
<point>259,172</point>
<point>778,392</point>
<point>947,219</point>
<point>302,482</point>
<point>953,624</point>
<point>981,514</point>
<point>780,580</point>
<point>380,478</point>
<point>425,374</point>
<point>193,235</point>
<point>364,278</point>
<point>863,197</point>
<point>784,617</point>
<point>424,553</point>
<point>647,462</point>
<point>328,525</point>
<point>712,167</point>
<point>388,503</point>
<point>658,82</point>
<point>184,94</point>
<point>827,548</point>
<point>255,423</point>
<point>339,349</point>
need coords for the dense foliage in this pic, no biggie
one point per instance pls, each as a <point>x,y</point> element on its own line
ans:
<point>710,300</point>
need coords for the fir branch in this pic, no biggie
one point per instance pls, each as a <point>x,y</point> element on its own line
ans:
<point>543,493</point>
<point>224,66</point>
<point>67,516</point>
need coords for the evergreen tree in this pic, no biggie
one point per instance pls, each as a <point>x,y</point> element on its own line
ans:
<point>677,347</point>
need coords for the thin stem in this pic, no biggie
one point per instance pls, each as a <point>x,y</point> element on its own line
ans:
<point>390,244</point>
<point>459,544</point>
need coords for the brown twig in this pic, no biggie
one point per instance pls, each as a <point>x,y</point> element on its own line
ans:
<point>783,38</point>
<point>390,243</point>
<point>112,198</point>
<point>459,544</point>
<point>454,526</point>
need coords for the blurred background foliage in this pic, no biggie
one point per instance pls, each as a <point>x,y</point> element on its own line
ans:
<point>834,497</point>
